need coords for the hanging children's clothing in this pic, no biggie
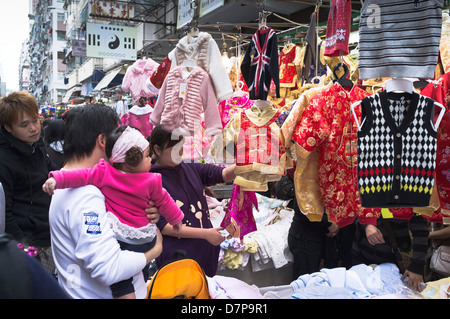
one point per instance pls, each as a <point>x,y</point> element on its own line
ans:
<point>139,117</point>
<point>312,54</point>
<point>338,28</point>
<point>158,76</point>
<point>306,175</point>
<point>289,60</point>
<point>183,97</point>
<point>204,51</point>
<point>136,76</point>
<point>396,150</point>
<point>228,107</point>
<point>240,210</point>
<point>121,108</point>
<point>260,64</point>
<point>327,124</point>
<point>399,38</point>
<point>439,90</point>
<point>260,154</point>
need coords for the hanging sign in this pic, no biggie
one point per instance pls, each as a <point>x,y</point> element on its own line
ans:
<point>207,6</point>
<point>185,13</point>
<point>79,47</point>
<point>111,41</point>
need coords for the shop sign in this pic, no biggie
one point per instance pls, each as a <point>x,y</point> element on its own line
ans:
<point>186,10</point>
<point>111,41</point>
<point>79,47</point>
<point>112,9</point>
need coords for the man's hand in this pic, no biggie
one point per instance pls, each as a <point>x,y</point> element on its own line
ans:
<point>374,235</point>
<point>152,213</point>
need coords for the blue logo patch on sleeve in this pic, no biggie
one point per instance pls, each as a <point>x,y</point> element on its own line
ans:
<point>93,226</point>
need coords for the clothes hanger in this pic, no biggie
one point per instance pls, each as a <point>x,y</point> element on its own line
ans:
<point>343,81</point>
<point>404,85</point>
<point>420,84</point>
<point>188,64</point>
<point>239,92</point>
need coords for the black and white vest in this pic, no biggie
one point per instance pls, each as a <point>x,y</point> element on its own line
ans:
<point>396,150</point>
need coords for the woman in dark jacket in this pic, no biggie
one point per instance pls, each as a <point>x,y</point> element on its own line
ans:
<point>24,167</point>
<point>54,141</point>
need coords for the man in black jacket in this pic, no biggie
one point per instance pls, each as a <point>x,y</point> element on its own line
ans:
<point>24,167</point>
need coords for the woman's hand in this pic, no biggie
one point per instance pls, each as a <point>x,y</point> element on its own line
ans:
<point>414,281</point>
<point>213,236</point>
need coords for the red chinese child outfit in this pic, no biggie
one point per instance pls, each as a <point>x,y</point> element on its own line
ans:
<point>327,123</point>
<point>439,90</point>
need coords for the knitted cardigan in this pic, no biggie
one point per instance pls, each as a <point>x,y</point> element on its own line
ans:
<point>204,50</point>
<point>136,76</point>
<point>260,64</point>
<point>173,112</point>
<point>396,150</point>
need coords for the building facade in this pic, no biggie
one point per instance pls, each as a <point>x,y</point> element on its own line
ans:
<point>46,52</point>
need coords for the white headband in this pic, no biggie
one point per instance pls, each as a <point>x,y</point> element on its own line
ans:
<point>129,138</point>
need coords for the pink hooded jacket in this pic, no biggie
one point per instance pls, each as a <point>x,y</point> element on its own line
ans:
<point>136,76</point>
<point>185,114</point>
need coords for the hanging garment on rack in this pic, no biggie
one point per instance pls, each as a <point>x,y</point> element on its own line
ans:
<point>306,175</point>
<point>177,110</point>
<point>228,107</point>
<point>326,124</point>
<point>158,76</point>
<point>338,28</point>
<point>444,46</point>
<point>396,150</point>
<point>136,76</point>
<point>399,38</point>
<point>258,149</point>
<point>289,60</point>
<point>240,209</point>
<point>312,54</point>
<point>439,90</point>
<point>260,64</point>
<point>204,50</point>
<point>139,117</point>
<point>121,108</point>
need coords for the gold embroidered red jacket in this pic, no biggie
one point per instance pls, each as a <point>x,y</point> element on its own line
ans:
<point>327,124</point>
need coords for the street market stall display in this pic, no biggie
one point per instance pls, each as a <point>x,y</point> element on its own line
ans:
<point>354,151</point>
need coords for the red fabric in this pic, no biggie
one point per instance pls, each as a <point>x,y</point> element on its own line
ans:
<point>254,143</point>
<point>338,28</point>
<point>327,124</point>
<point>288,70</point>
<point>439,91</point>
<point>157,78</point>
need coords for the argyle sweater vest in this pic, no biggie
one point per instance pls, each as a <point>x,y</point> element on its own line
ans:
<point>396,150</point>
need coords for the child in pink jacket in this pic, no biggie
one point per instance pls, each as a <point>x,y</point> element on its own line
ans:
<point>128,187</point>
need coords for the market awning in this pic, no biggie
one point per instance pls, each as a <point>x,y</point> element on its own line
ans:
<point>73,91</point>
<point>109,76</point>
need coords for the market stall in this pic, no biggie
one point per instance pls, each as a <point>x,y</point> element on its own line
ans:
<point>360,123</point>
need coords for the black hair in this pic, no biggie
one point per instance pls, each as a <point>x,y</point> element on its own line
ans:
<point>163,138</point>
<point>83,126</point>
<point>54,131</point>
<point>132,157</point>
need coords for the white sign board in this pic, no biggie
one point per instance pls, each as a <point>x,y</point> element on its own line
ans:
<point>207,6</point>
<point>185,13</point>
<point>111,41</point>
